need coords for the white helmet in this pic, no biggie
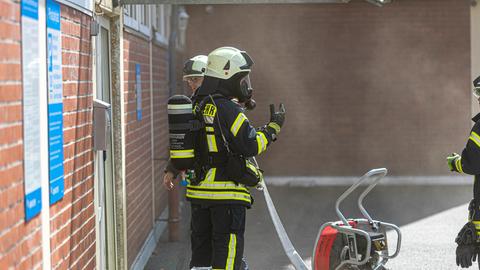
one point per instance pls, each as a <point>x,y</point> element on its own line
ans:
<point>195,66</point>
<point>225,62</point>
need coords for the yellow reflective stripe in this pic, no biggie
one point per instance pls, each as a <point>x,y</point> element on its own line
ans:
<point>274,126</point>
<point>237,124</point>
<point>475,138</point>
<point>217,195</point>
<point>182,153</point>
<point>253,168</point>
<point>209,129</point>
<point>458,164</point>
<point>210,177</point>
<point>222,186</point>
<point>212,143</point>
<point>261,142</point>
<point>232,252</point>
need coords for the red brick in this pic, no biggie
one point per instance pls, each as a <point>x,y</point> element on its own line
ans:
<point>9,11</point>
<point>10,52</point>
<point>9,31</point>
<point>77,88</point>
<point>10,93</point>
<point>70,28</point>
<point>78,147</point>
<point>79,161</point>
<point>10,72</point>
<point>11,196</point>
<point>77,119</point>
<point>11,134</point>
<point>11,154</point>
<point>77,132</point>
<point>11,175</point>
<point>76,74</point>
<point>74,104</point>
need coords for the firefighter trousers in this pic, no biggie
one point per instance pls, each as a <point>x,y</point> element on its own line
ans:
<point>217,236</point>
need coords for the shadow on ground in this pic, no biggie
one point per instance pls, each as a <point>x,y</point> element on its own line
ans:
<point>303,210</point>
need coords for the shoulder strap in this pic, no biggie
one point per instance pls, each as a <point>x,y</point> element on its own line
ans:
<point>225,143</point>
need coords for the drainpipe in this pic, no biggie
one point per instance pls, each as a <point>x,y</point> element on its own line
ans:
<point>173,195</point>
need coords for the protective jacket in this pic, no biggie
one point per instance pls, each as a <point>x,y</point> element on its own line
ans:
<point>469,163</point>
<point>226,129</point>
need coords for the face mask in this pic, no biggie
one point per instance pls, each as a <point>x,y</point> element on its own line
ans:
<point>476,92</point>
<point>246,89</point>
<point>250,104</point>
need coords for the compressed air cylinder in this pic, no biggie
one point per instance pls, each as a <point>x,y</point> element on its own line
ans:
<point>180,118</point>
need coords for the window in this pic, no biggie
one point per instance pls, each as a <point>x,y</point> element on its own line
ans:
<point>161,22</point>
<point>137,17</point>
<point>144,17</point>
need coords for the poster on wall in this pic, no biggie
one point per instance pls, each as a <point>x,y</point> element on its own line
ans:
<point>55,102</point>
<point>31,108</point>
<point>138,89</point>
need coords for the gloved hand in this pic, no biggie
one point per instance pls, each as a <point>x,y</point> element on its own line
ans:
<point>451,161</point>
<point>277,118</point>
<point>467,245</point>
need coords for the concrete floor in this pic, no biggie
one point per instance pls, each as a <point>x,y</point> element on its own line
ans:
<point>429,216</point>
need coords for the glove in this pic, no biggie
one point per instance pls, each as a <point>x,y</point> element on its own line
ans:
<point>466,240</point>
<point>466,255</point>
<point>277,118</point>
<point>451,161</point>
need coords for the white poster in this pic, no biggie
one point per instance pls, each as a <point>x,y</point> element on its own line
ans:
<point>31,108</point>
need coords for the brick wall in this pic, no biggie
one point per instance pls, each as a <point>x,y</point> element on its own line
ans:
<point>72,225</point>
<point>20,242</point>
<point>363,86</point>
<point>160,129</point>
<point>137,146</point>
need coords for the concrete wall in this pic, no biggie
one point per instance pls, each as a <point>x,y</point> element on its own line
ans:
<point>363,86</point>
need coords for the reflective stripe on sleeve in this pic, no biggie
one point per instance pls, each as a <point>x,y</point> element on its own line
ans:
<point>189,153</point>
<point>261,142</point>
<point>209,129</point>
<point>212,143</point>
<point>475,138</point>
<point>232,252</point>
<point>237,124</point>
<point>458,165</point>
<point>275,126</point>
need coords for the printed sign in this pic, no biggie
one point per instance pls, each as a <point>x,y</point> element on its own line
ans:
<point>31,108</point>
<point>55,102</point>
<point>138,89</point>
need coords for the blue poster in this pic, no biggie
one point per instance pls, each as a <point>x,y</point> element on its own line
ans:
<point>31,107</point>
<point>138,90</point>
<point>55,102</point>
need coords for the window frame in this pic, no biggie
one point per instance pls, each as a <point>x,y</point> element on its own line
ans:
<point>137,19</point>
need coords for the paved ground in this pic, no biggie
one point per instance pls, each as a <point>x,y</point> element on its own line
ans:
<point>428,215</point>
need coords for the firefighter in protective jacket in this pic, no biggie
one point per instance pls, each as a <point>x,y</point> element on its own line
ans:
<point>193,70</point>
<point>220,194</point>
<point>469,162</point>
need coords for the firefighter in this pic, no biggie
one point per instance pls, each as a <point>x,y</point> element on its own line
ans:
<point>469,163</point>
<point>220,196</point>
<point>193,70</point>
